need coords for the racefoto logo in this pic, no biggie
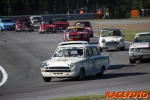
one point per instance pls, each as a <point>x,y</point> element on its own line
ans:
<point>129,94</point>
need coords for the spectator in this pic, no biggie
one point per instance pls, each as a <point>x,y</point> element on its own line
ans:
<point>68,12</point>
<point>99,12</point>
<point>106,14</point>
<point>81,11</point>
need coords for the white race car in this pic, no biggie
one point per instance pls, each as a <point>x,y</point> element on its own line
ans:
<point>140,48</point>
<point>111,39</point>
<point>75,59</point>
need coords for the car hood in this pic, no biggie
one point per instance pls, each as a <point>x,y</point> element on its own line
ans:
<point>112,38</point>
<point>8,23</point>
<point>62,61</point>
<point>48,26</point>
<point>77,33</point>
<point>140,45</point>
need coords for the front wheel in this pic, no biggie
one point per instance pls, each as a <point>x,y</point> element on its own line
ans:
<point>47,79</point>
<point>101,73</point>
<point>81,74</point>
<point>122,48</point>
<point>132,61</point>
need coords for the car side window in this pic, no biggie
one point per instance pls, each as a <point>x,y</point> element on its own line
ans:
<point>95,51</point>
<point>89,52</point>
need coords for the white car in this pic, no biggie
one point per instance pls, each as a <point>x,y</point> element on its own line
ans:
<point>35,21</point>
<point>140,48</point>
<point>111,39</point>
<point>75,59</point>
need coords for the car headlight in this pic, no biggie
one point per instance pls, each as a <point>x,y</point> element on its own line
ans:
<point>70,36</point>
<point>137,50</point>
<point>72,65</point>
<point>132,50</point>
<point>84,36</point>
<point>44,65</point>
<point>103,41</point>
<point>121,40</point>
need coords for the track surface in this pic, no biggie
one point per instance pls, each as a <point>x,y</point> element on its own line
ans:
<point>22,53</point>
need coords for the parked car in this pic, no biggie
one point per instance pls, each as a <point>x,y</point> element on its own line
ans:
<point>76,33</point>
<point>87,25</point>
<point>6,24</point>
<point>111,39</point>
<point>75,59</point>
<point>35,21</point>
<point>60,23</point>
<point>140,47</point>
<point>23,24</point>
<point>47,26</point>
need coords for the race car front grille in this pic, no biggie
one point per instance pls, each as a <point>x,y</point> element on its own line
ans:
<point>144,50</point>
<point>58,67</point>
<point>60,25</point>
<point>58,70</point>
<point>112,43</point>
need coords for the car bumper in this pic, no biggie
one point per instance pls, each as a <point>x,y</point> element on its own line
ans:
<point>79,39</point>
<point>60,74</point>
<point>139,56</point>
<point>112,47</point>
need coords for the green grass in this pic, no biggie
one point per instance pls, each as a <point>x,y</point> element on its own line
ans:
<point>129,34</point>
<point>96,97</point>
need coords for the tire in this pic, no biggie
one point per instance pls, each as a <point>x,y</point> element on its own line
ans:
<point>101,73</point>
<point>92,35</point>
<point>122,48</point>
<point>81,74</point>
<point>132,61</point>
<point>55,31</point>
<point>39,32</point>
<point>47,79</point>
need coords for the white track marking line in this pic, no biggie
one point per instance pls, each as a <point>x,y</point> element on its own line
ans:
<point>5,76</point>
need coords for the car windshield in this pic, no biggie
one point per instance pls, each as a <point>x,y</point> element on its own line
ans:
<point>110,33</point>
<point>5,20</point>
<point>86,24</point>
<point>79,29</point>
<point>59,20</point>
<point>143,38</point>
<point>70,52</point>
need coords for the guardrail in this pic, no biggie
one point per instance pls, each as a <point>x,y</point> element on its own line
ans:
<point>50,17</point>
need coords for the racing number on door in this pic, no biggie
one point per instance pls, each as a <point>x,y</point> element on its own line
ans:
<point>93,65</point>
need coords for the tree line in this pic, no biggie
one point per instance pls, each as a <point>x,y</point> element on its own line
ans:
<point>117,8</point>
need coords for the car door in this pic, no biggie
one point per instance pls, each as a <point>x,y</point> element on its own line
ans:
<point>97,60</point>
<point>90,61</point>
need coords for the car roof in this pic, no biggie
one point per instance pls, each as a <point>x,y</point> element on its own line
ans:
<point>76,43</point>
<point>112,29</point>
<point>23,18</point>
<point>75,27</point>
<point>141,33</point>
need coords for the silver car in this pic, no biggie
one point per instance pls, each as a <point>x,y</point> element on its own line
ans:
<point>140,48</point>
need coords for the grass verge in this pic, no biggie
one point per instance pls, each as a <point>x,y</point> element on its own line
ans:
<point>129,34</point>
<point>96,97</point>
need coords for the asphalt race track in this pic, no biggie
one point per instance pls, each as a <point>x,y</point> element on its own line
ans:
<point>21,54</point>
